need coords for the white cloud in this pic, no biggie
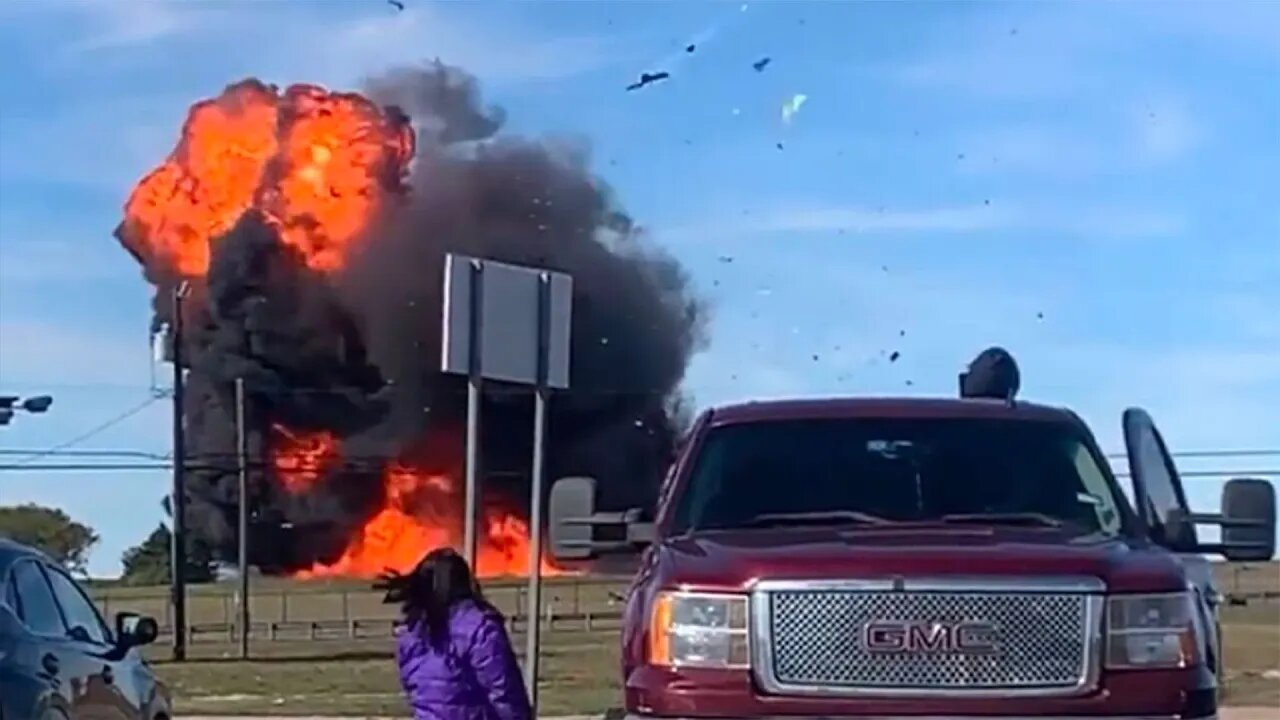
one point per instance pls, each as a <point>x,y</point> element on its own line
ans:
<point>495,52</point>
<point>119,24</point>
<point>1019,52</point>
<point>34,352</point>
<point>32,262</point>
<point>1034,149</point>
<point>103,146</point>
<point>1156,132</point>
<point>1167,131</point>
<point>800,218</point>
<point>307,43</point>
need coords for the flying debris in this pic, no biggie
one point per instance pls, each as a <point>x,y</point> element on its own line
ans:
<point>792,106</point>
<point>893,356</point>
<point>648,79</point>
<point>992,374</point>
<point>761,64</point>
<point>396,4</point>
<point>690,48</point>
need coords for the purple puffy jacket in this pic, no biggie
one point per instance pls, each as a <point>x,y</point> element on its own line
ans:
<point>473,676</point>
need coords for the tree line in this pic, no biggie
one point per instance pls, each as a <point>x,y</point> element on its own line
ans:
<point>69,542</point>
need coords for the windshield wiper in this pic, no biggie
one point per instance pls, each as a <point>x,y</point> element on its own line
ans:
<point>1014,518</point>
<point>831,517</point>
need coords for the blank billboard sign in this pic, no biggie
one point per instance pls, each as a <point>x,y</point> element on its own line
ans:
<point>506,322</point>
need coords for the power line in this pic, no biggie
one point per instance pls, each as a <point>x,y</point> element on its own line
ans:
<point>1208,454</point>
<point>140,454</point>
<point>87,434</point>
<point>167,455</point>
<point>383,462</point>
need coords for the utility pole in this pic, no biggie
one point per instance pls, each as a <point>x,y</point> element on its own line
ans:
<point>242,453</point>
<point>178,547</point>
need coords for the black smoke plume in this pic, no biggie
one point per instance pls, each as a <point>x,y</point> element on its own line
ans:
<point>357,353</point>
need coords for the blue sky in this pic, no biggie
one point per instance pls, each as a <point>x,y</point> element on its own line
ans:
<point>958,170</point>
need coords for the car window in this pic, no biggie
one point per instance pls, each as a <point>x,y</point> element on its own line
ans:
<point>11,595</point>
<point>39,610</point>
<point>917,470</point>
<point>1161,499</point>
<point>1096,488</point>
<point>77,608</point>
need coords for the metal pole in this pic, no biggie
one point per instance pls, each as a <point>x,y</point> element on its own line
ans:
<point>533,630</point>
<point>242,455</point>
<point>473,414</point>
<point>178,540</point>
<point>473,462</point>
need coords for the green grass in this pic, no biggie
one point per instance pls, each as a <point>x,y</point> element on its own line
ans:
<point>1252,648</point>
<point>579,668</point>
<point>579,674</point>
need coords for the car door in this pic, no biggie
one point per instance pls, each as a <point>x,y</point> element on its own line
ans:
<point>1157,487</point>
<point>1164,511</point>
<point>57,663</point>
<point>110,692</point>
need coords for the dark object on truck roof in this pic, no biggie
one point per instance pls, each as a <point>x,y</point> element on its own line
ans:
<point>993,374</point>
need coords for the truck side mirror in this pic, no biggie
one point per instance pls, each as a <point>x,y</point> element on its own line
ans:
<point>574,521</point>
<point>1248,520</point>
<point>571,498</point>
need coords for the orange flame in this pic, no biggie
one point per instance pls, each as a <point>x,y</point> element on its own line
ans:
<point>300,458</point>
<point>319,167</point>
<point>420,512</point>
<point>317,164</point>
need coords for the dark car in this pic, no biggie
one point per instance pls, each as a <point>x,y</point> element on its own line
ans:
<point>58,659</point>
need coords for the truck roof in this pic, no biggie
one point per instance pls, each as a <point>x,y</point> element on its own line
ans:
<point>887,407</point>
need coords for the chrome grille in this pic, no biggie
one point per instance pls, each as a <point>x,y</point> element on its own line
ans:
<point>817,641</point>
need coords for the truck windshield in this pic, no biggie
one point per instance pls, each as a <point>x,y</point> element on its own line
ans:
<point>877,471</point>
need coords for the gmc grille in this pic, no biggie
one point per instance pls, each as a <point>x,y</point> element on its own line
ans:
<point>892,641</point>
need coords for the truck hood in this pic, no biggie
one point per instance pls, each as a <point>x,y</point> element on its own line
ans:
<point>735,559</point>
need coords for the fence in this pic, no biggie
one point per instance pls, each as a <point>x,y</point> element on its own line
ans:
<point>282,611</point>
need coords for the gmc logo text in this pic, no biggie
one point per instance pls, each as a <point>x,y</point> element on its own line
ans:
<point>905,636</point>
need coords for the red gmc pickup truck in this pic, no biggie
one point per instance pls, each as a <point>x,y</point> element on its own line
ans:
<point>917,558</point>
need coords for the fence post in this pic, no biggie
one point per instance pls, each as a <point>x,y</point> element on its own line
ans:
<point>346,606</point>
<point>284,606</point>
<point>577,596</point>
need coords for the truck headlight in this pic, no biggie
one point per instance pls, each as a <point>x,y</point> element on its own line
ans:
<point>1151,631</point>
<point>707,630</point>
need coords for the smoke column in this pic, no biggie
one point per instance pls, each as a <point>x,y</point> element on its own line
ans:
<point>313,227</point>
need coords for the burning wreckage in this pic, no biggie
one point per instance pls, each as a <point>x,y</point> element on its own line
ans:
<point>311,227</point>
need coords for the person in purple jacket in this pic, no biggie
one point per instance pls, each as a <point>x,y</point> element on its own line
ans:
<point>456,661</point>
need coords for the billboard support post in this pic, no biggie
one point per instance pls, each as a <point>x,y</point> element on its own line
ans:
<point>510,324</point>
<point>533,634</point>
<point>475,331</point>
